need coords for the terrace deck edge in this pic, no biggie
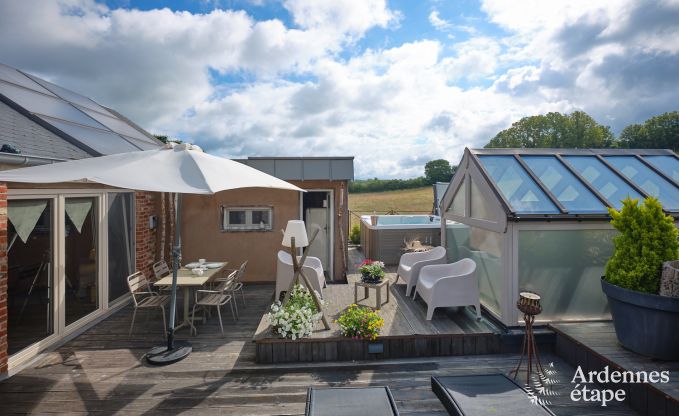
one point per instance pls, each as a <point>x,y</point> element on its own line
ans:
<point>644,398</point>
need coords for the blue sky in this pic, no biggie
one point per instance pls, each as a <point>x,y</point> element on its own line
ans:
<point>393,83</point>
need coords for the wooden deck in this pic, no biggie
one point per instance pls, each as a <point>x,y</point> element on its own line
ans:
<point>103,372</point>
<point>594,345</point>
<point>406,331</point>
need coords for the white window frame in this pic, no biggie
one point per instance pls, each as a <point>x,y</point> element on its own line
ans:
<point>249,225</point>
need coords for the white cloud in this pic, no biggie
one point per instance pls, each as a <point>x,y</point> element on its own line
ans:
<point>437,22</point>
<point>306,91</point>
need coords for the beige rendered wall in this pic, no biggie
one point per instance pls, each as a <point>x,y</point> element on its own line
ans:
<point>202,236</point>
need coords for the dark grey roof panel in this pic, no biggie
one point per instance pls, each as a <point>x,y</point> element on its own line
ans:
<point>288,169</point>
<point>342,169</point>
<point>316,169</point>
<point>304,168</point>
<point>33,139</point>
<point>266,166</point>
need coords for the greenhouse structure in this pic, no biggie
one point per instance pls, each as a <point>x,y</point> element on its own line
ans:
<point>537,219</point>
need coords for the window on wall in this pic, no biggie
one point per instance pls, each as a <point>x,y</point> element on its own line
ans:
<point>247,219</point>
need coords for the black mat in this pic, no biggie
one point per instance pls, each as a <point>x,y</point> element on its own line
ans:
<point>484,395</point>
<point>350,401</point>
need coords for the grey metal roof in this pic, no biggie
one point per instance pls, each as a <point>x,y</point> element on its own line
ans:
<point>304,168</point>
<point>33,139</point>
<point>78,120</point>
<point>577,183</point>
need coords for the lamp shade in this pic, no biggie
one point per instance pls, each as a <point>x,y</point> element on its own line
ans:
<point>296,229</point>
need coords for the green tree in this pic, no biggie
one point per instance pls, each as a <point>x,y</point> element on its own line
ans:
<point>438,170</point>
<point>555,130</point>
<point>659,132</point>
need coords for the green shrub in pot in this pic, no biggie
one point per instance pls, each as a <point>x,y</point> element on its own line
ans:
<point>647,238</point>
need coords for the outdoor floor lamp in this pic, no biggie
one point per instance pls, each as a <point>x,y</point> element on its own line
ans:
<point>295,235</point>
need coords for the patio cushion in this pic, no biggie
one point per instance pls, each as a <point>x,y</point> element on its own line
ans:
<point>485,394</point>
<point>350,401</point>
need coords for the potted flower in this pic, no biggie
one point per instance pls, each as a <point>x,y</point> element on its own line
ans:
<point>644,321</point>
<point>295,319</point>
<point>371,271</point>
<point>360,322</point>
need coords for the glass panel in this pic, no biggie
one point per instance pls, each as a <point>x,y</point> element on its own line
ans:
<point>143,145</point>
<point>70,95</point>
<point>117,125</point>
<point>565,267</point>
<point>29,278</point>
<point>80,246</point>
<point>260,217</point>
<point>669,165</point>
<point>480,208</point>
<point>523,194</point>
<point>101,141</point>
<point>120,243</point>
<point>485,248</point>
<point>601,178</point>
<point>47,105</point>
<point>14,76</point>
<point>647,180</point>
<point>457,206</point>
<point>237,218</point>
<point>563,184</point>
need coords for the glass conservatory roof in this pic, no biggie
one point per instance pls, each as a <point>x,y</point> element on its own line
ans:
<point>75,118</point>
<point>578,182</point>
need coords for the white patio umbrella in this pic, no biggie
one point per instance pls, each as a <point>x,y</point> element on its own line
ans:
<point>180,169</point>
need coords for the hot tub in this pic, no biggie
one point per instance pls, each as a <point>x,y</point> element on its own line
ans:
<point>383,237</point>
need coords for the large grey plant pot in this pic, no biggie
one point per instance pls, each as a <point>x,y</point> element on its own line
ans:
<point>645,323</point>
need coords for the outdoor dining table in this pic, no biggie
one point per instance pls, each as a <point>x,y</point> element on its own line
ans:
<point>187,280</point>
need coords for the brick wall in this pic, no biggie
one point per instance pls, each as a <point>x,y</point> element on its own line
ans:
<point>145,205</point>
<point>3,278</point>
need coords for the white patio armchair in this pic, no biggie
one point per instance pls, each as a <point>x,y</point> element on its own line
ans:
<point>453,284</point>
<point>312,269</point>
<point>411,263</point>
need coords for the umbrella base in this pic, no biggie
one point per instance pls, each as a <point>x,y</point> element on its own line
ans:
<point>161,355</point>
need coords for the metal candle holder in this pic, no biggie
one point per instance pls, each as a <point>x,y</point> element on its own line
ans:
<point>529,304</point>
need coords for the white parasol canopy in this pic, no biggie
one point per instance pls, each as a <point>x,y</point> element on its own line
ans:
<point>181,169</point>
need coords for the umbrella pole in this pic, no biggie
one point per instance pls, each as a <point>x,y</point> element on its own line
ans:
<point>174,350</point>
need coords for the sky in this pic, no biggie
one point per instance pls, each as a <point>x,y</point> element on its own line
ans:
<point>393,83</point>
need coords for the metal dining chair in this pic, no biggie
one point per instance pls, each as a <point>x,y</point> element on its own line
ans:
<point>160,270</point>
<point>217,297</point>
<point>145,298</point>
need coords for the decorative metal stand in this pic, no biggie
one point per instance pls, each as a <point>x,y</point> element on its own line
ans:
<point>297,267</point>
<point>529,304</point>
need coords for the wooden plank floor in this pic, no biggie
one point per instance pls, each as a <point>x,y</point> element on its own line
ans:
<point>600,341</point>
<point>103,372</point>
<point>402,316</point>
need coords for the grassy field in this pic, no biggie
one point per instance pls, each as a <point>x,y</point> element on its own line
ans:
<point>407,201</point>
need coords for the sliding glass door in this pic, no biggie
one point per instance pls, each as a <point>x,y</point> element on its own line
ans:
<point>30,301</point>
<point>69,254</point>
<point>81,295</point>
<point>120,243</point>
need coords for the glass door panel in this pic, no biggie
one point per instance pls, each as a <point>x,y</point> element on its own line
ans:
<point>120,243</point>
<point>30,281</point>
<point>81,292</point>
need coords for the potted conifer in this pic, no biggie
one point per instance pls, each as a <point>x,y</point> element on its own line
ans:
<point>644,321</point>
